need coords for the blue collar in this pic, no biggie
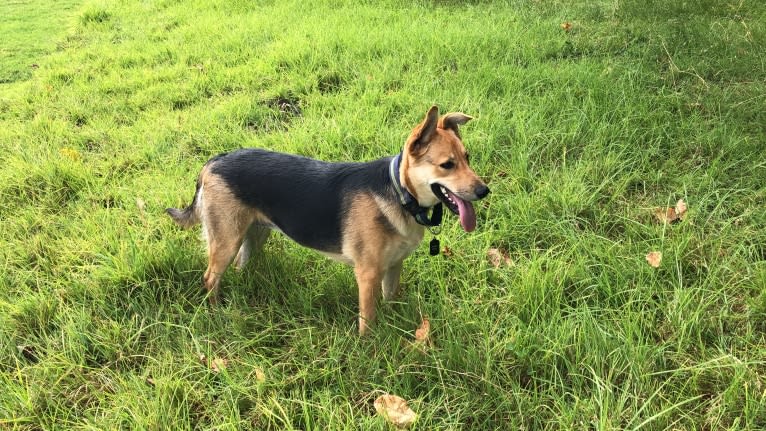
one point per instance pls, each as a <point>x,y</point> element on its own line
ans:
<point>408,201</point>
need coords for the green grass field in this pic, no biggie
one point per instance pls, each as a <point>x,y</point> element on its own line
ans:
<point>108,109</point>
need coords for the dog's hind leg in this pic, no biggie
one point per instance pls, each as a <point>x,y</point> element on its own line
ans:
<point>225,226</point>
<point>391,281</point>
<point>221,248</point>
<point>254,239</point>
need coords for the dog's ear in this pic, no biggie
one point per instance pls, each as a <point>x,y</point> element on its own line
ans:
<point>452,120</point>
<point>422,134</point>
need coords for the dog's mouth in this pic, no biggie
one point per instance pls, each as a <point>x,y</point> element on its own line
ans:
<point>463,209</point>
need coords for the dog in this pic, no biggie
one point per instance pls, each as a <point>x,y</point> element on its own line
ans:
<point>370,215</point>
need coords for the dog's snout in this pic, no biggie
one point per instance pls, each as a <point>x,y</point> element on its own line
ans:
<point>481,191</point>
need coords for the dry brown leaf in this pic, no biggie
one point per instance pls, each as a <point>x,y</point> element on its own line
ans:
<point>150,381</point>
<point>141,209</point>
<point>665,215</point>
<point>495,257</point>
<point>219,364</point>
<point>395,410</point>
<point>423,333</point>
<point>566,26</point>
<point>202,359</point>
<point>70,153</point>
<point>670,214</point>
<point>260,376</point>
<point>654,258</point>
<point>446,251</point>
<point>28,352</point>
<point>498,257</point>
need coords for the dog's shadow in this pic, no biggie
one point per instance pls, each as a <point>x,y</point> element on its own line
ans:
<point>297,283</point>
<point>282,285</point>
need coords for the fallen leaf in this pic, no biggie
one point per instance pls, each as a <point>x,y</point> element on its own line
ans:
<point>665,215</point>
<point>395,410</point>
<point>28,352</point>
<point>670,214</point>
<point>654,258</point>
<point>202,359</point>
<point>681,209</point>
<point>423,333</point>
<point>70,153</point>
<point>141,206</point>
<point>142,210</point>
<point>219,364</point>
<point>566,26</point>
<point>150,381</point>
<point>260,376</point>
<point>446,251</point>
<point>498,257</point>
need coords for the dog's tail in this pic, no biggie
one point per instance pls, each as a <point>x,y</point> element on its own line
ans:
<point>188,216</point>
<point>185,218</point>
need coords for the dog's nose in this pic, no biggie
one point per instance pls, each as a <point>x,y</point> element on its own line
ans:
<point>481,191</point>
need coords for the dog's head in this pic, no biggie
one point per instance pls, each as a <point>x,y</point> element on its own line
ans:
<point>435,166</point>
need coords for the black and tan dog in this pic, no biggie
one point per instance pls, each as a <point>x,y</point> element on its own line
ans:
<point>369,215</point>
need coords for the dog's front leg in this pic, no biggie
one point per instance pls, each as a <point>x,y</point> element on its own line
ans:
<point>391,281</point>
<point>369,280</point>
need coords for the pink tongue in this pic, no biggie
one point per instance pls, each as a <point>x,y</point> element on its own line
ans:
<point>466,213</point>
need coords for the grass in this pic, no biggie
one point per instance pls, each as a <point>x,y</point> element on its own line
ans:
<point>29,30</point>
<point>581,134</point>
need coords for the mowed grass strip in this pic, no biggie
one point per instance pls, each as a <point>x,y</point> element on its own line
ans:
<point>589,116</point>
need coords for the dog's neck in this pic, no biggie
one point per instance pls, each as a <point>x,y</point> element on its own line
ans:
<point>408,200</point>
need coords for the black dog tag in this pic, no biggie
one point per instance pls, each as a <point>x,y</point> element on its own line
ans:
<point>433,247</point>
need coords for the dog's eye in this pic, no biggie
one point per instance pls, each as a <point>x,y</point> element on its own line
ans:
<point>448,165</point>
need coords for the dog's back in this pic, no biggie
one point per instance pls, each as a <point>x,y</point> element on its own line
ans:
<point>306,199</point>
